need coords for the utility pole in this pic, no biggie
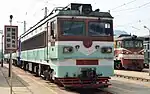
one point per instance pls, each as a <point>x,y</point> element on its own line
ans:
<point>45,15</point>
<point>2,52</point>
<point>2,48</point>
<point>10,64</point>
<point>24,25</point>
<point>148,48</point>
<point>24,22</point>
<point>11,44</point>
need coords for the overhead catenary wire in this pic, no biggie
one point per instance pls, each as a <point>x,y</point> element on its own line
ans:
<point>124,25</point>
<point>129,11</point>
<point>123,5</point>
<point>121,10</point>
<point>135,28</point>
<point>131,23</point>
<point>137,7</point>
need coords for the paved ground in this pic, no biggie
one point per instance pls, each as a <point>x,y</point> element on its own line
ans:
<point>26,83</point>
<point>3,84</point>
<point>19,85</point>
<point>128,86</point>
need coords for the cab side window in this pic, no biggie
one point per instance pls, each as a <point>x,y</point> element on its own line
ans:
<point>115,44</point>
<point>53,29</point>
<point>119,44</point>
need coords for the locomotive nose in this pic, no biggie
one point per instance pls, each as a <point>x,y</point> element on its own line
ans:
<point>87,43</point>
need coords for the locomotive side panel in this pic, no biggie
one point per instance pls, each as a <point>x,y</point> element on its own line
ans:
<point>36,42</point>
<point>34,47</point>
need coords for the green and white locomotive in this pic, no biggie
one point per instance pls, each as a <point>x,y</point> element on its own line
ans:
<point>72,46</point>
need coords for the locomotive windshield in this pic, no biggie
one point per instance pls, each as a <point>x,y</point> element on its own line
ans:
<point>99,29</point>
<point>83,28</point>
<point>133,43</point>
<point>74,28</point>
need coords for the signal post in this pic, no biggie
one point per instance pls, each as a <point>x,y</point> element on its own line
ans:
<point>11,44</point>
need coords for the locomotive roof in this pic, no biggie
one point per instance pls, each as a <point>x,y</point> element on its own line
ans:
<point>128,38</point>
<point>77,13</point>
<point>73,9</point>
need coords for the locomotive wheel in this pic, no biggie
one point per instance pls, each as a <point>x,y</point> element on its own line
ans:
<point>27,67</point>
<point>37,70</point>
<point>46,75</point>
<point>51,78</point>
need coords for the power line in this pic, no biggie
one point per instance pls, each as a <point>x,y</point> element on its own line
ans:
<point>144,4</point>
<point>135,28</point>
<point>133,22</point>
<point>123,5</point>
<point>125,9</point>
<point>138,7</point>
<point>130,11</point>
<point>129,24</point>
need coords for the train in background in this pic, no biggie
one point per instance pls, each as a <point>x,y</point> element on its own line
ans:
<point>128,52</point>
<point>73,46</point>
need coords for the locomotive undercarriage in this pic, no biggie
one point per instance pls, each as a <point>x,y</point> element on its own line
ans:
<point>87,79</point>
<point>130,64</point>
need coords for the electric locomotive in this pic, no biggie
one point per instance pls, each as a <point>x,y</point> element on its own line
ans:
<point>72,46</point>
<point>129,53</point>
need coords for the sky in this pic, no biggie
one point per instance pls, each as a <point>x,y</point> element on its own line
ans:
<point>129,15</point>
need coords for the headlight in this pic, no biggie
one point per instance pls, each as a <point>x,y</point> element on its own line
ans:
<point>106,50</point>
<point>68,49</point>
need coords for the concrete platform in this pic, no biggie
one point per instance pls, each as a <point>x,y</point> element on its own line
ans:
<point>19,86</point>
<point>4,87</point>
<point>133,74</point>
<point>25,83</point>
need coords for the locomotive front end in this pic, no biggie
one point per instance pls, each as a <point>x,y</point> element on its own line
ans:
<point>129,53</point>
<point>82,53</point>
